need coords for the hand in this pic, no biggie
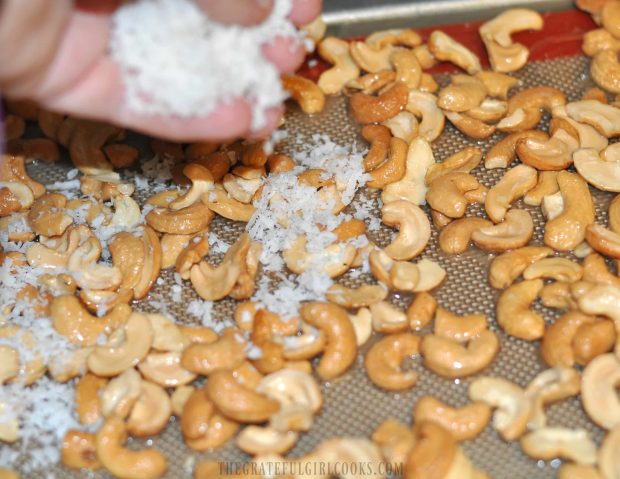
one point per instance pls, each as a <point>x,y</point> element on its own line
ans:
<point>55,52</point>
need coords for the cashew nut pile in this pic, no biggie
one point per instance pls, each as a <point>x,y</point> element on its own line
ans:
<point>83,264</point>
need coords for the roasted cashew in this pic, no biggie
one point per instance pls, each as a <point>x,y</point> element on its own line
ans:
<point>463,423</point>
<point>372,82</point>
<point>12,169</point>
<point>370,109</point>
<point>87,273</point>
<point>365,295</point>
<point>188,220</point>
<point>577,471</point>
<point>396,36</point>
<point>341,348</point>
<point>605,69</point>
<point>433,454</point>
<point>226,206</point>
<point>87,398</point>
<point>306,93</point>
<point>513,311</point>
<point>394,166</point>
<point>459,328</point>
<point>202,182</point>
<point>335,259</point>
<point>411,187</point>
<point>371,59</point>
<point>237,401</point>
<point>404,125</point>
<point>550,442</point>
<point>388,319</point>
<point>515,183</point>
<point>228,352</point>
<point>464,93</point>
<point>383,361</point>
<point>257,440</point>
<point>165,369</point>
<point>451,359</point>
<point>603,240</point>
<point>504,55</point>
<point>414,229</point>
<point>407,66</point>
<point>556,347</point>
<point>469,126</point>
<point>78,451</point>
<point>421,311</point>
<point>47,215</point>
<point>55,254</point>
<point>125,463</point>
<point>598,40</point>
<point>395,440</point>
<point>464,161</point>
<point>554,154</point>
<point>514,232</point>
<point>601,171</point>
<point>424,105</point>
<point>14,197</point>
<point>598,390</point>
<point>445,48</point>
<point>336,51</point>
<point>504,152</point>
<point>126,346</point>
<point>456,236</point>
<point>593,339</point>
<point>243,183</point>
<point>446,194</point>
<point>558,269</point>
<point>605,118</point>
<point>608,454</point>
<point>489,111</point>
<point>547,185</point>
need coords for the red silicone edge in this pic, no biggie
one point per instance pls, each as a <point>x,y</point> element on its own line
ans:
<point>561,37</point>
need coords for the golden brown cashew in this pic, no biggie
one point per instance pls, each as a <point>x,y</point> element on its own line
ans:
<point>371,59</point>
<point>445,48</point>
<point>379,138</point>
<point>365,295</point>
<point>464,93</point>
<point>515,183</point>
<point>13,169</point>
<point>370,109</point>
<point>334,260</point>
<point>558,269</point>
<point>87,398</point>
<point>504,152</point>
<point>605,69</point>
<point>228,352</point>
<point>605,118</point>
<point>554,154</point>
<point>598,390</point>
<point>504,55</point>
<point>600,171</point>
<point>238,402</point>
<point>451,359</point>
<point>446,193</point>
<point>614,214</point>
<point>455,237</point>
<point>464,161</point>
<point>513,408</point>
<point>498,84</point>
<point>165,369</point>
<point>371,83</point>
<point>513,311</point>
<point>202,181</point>
<point>424,105</point>
<point>393,168</point>
<point>547,185</point>
<point>47,215</point>
<point>125,463</point>
<point>514,232</point>
<point>556,347</point>
<point>151,411</point>
<point>188,220</point>
<point>489,111</point>
<point>396,36</point>
<point>412,187</point>
<point>598,40</point>
<point>505,268</point>
<point>78,451</point>
<point>592,340</point>
<point>577,471</point>
<point>257,440</point>
<point>56,255</point>
<point>404,126</point>
<point>87,273</point>
<point>608,454</point>
<point>421,311</point>
<point>603,240</point>
<point>433,453</point>
<point>387,319</point>
<point>407,66</point>
<point>459,328</point>
<point>463,423</point>
<point>306,93</point>
<point>341,348</point>
<point>395,440</point>
<point>414,229</point>
<point>550,442</point>
<point>383,361</point>
<point>469,126</point>
<point>125,348</point>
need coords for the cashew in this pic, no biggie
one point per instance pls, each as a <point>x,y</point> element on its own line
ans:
<point>365,295</point>
<point>369,109</point>
<point>371,59</point>
<point>504,55</point>
<point>228,352</point>
<point>393,168</point>
<point>362,325</point>
<point>315,30</point>
<point>489,111</point>
<point>605,118</point>
<point>306,93</point>
<point>601,172</point>
<point>559,269</point>
<point>202,182</point>
<point>396,36</point>
<point>498,84</point>
<point>592,340</point>
<point>514,232</point>
<point>433,454</point>
<point>431,275</point>
<point>424,105</point>
<point>504,151</point>
<point>404,125</point>
<point>576,471</point>
<point>372,82</point>
<point>125,348</point>
<point>464,161</point>
<point>87,273</point>
<point>414,229</point>
<point>515,183</point>
<point>547,185</point>
<point>341,348</point>
<point>464,93</point>
<point>224,205</point>
<point>9,368</point>
<point>513,408</point>
<point>469,126</point>
<point>603,240</point>
<point>455,237</point>
<point>78,451</point>
<point>551,442</point>
<point>388,319</point>
<point>446,194</point>
<point>238,402</point>
<point>188,220</point>
<point>72,320</point>
<point>556,153</point>
<point>265,440</point>
<point>608,455</point>
<point>47,215</point>
<point>549,386</point>
<point>12,169</point>
<point>32,367</point>
<point>57,254</point>
<point>165,369</point>
<point>119,395</point>
<point>411,186</point>
<point>335,259</point>
<point>445,48</point>
<point>605,69</point>
<point>125,463</point>
<point>383,361</point>
<point>450,359</point>
<point>407,66</point>
<point>15,197</point>
<point>151,411</point>
<point>395,440</point>
<point>599,40</point>
<point>513,311</point>
<point>459,328</point>
<point>556,346</point>
<point>243,183</point>
<point>421,311</point>
<point>87,399</point>
<point>463,423</point>
<point>598,390</point>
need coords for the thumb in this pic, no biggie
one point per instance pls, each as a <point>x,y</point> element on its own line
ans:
<point>239,12</point>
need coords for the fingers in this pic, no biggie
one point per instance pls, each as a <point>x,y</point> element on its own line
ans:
<point>274,116</point>
<point>238,12</point>
<point>285,53</point>
<point>304,11</point>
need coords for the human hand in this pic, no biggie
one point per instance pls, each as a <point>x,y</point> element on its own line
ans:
<point>56,54</point>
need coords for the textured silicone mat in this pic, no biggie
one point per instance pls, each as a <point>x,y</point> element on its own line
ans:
<point>352,405</point>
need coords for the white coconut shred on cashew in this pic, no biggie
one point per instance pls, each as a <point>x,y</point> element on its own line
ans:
<point>176,61</point>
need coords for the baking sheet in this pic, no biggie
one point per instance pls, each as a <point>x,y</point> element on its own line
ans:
<point>352,405</point>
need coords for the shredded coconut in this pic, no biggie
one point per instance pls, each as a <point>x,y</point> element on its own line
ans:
<point>176,61</point>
